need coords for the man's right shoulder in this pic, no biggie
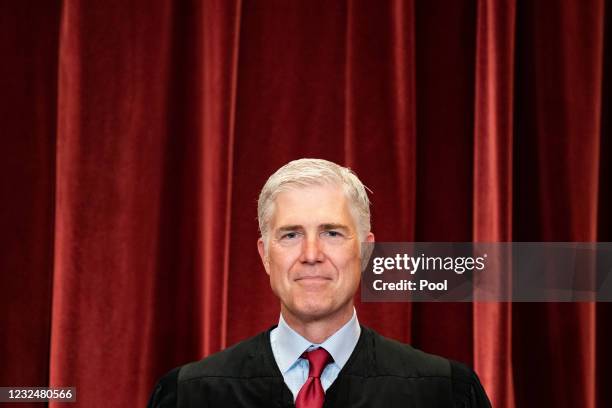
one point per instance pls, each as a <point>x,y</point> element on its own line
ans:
<point>242,360</point>
<point>238,360</point>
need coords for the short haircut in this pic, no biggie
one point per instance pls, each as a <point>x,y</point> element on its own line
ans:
<point>314,172</point>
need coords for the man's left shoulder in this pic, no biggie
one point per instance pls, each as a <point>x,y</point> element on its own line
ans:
<point>395,359</point>
<point>392,357</point>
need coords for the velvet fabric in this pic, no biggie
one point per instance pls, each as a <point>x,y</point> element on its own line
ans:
<point>136,136</point>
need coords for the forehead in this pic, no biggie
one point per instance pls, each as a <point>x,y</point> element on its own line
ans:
<point>318,204</point>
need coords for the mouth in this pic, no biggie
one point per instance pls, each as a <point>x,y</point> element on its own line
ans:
<point>312,279</point>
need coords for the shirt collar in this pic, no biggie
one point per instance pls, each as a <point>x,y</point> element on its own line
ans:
<point>340,345</point>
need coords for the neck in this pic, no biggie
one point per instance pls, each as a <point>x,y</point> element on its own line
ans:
<point>317,330</point>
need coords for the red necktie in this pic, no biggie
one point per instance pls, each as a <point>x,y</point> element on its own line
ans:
<point>311,394</point>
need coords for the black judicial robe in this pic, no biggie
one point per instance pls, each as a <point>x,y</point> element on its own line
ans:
<point>379,373</point>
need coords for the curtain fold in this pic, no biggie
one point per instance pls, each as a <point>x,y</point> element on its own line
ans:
<point>221,34</point>
<point>558,103</point>
<point>445,52</point>
<point>492,218</point>
<point>137,135</point>
<point>28,107</point>
<point>380,117</point>
<point>120,178</point>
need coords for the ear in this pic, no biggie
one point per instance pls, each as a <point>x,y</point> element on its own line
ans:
<point>366,251</point>
<point>262,254</point>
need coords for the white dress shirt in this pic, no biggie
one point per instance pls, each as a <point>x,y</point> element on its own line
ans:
<point>288,346</point>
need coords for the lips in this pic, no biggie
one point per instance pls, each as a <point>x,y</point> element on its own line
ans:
<point>312,278</point>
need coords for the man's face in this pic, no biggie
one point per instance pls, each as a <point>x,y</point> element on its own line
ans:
<point>313,257</point>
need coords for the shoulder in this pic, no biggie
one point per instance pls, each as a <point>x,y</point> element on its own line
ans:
<point>247,359</point>
<point>165,391</point>
<point>390,358</point>
<point>467,389</point>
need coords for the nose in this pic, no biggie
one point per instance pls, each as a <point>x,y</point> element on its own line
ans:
<point>312,251</point>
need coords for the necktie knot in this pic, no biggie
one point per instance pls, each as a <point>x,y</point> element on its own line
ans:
<point>317,360</point>
<point>311,394</point>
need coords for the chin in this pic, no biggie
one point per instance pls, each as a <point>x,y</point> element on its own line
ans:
<point>308,310</point>
<point>311,311</point>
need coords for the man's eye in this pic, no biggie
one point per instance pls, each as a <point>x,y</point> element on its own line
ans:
<point>290,235</point>
<point>333,234</point>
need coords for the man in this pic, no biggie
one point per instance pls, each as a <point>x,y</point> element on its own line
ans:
<point>313,216</point>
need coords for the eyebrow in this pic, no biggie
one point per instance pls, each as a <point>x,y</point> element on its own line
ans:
<point>334,226</point>
<point>325,227</point>
<point>285,228</point>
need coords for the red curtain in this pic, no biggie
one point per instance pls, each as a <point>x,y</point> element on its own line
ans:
<point>136,136</point>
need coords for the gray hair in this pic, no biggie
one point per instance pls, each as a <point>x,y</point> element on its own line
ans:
<point>310,172</point>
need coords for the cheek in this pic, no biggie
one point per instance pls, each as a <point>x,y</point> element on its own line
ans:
<point>342,257</point>
<point>282,261</point>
